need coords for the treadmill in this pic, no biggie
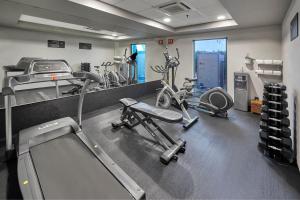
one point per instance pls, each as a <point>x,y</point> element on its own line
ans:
<point>23,66</point>
<point>56,160</point>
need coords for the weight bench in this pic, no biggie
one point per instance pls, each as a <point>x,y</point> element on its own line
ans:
<point>135,113</point>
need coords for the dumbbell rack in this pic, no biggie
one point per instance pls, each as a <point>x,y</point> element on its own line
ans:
<point>274,132</point>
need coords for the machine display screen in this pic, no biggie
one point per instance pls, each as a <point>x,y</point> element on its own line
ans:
<point>50,67</point>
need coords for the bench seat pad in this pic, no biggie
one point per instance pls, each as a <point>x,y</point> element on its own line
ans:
<point>157,113</point>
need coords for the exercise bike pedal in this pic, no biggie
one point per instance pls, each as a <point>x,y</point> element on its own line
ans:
<point>175,158</point>
<point>181,150</point>
<point>117,125</point>
<point>190,122</point>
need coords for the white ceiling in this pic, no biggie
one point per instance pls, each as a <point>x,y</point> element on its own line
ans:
<point>202,11</point>
<point>249,13</point>
<point>139,18</point>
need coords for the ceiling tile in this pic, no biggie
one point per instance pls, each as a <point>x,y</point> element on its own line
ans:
<point>210,9</point>
<point>156,2</point>
<point>203,3</point>
<point>153,13</point>
<point>202,11</point>
<point>185,19</point>
<point>133,5</point>
<point>112,2</point>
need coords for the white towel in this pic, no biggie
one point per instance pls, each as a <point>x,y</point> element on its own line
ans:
<point>277,62</point>
<point>268,62</point>
<point>259,71</point>
<point>277,73</point>
<point>268,72</point>
<point>260,62</point>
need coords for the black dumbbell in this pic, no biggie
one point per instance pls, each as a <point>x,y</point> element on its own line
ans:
<point>287,142</point>
<point>284,131</point>
<point>275,96</point>
<point>276,133</point>
<point>284,152</point>
<point>275,113</point>
<point>277,105</point>
<point>277,122</point>
<point>276,88</point>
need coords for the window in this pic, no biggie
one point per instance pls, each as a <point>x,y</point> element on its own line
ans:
<point>210,64</point>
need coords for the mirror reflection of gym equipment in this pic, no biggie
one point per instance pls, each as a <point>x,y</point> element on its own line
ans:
<point>149,99</point>
<point>139,70</point>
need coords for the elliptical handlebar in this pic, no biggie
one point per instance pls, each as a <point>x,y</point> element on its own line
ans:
<point>159,69</point>
<point>107,64</point>
<point>171,61</point>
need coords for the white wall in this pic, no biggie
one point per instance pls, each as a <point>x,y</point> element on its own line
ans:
<point>263,43</point>
<point>260,43</point>
<point>291,57</point>
<point>16,43</point>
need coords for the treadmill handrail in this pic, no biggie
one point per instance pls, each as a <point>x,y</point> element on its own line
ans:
<point>11,68</point>
<point>9,90</point>
<point>11,82</point>
<point>29,70</point>
<point>26,64</point>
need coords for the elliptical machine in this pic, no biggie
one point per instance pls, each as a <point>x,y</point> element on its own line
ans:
<point>169,94</point>
<point>121,68</point>
<point>127,68</point>
<point>215,101</point>
<point>132,69</point>
<point>171,64</point>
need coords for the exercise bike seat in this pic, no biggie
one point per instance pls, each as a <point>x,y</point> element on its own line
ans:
<point>151,111</point>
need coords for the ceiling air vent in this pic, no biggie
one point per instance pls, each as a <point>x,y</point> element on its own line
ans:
<point>173,8</point>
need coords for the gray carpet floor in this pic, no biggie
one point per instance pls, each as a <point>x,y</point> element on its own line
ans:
<point>221,159</point>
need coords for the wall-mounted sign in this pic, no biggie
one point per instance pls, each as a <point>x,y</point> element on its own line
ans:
<point>160,42</point>
<point>56,44</point>
<point>170,41</point>
<point>294,27</point>
<point>85,46</point>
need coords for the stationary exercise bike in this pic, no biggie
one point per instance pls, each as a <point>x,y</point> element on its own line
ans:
<point>111,78</point>
<point>215,101</point>
<point>169,94</point>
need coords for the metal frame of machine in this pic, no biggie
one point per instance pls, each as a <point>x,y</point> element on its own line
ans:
<point>28,178</point>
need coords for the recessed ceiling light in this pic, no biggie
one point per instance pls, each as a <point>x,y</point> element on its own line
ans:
<point>167,19</point>
<point>221,17</point>
<point>115,35</point>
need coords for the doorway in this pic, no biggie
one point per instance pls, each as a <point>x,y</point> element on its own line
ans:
<point>140,60</point>
<point>210,63</point>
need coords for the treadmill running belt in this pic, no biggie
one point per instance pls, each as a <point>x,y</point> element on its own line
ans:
<point>68,170</point>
